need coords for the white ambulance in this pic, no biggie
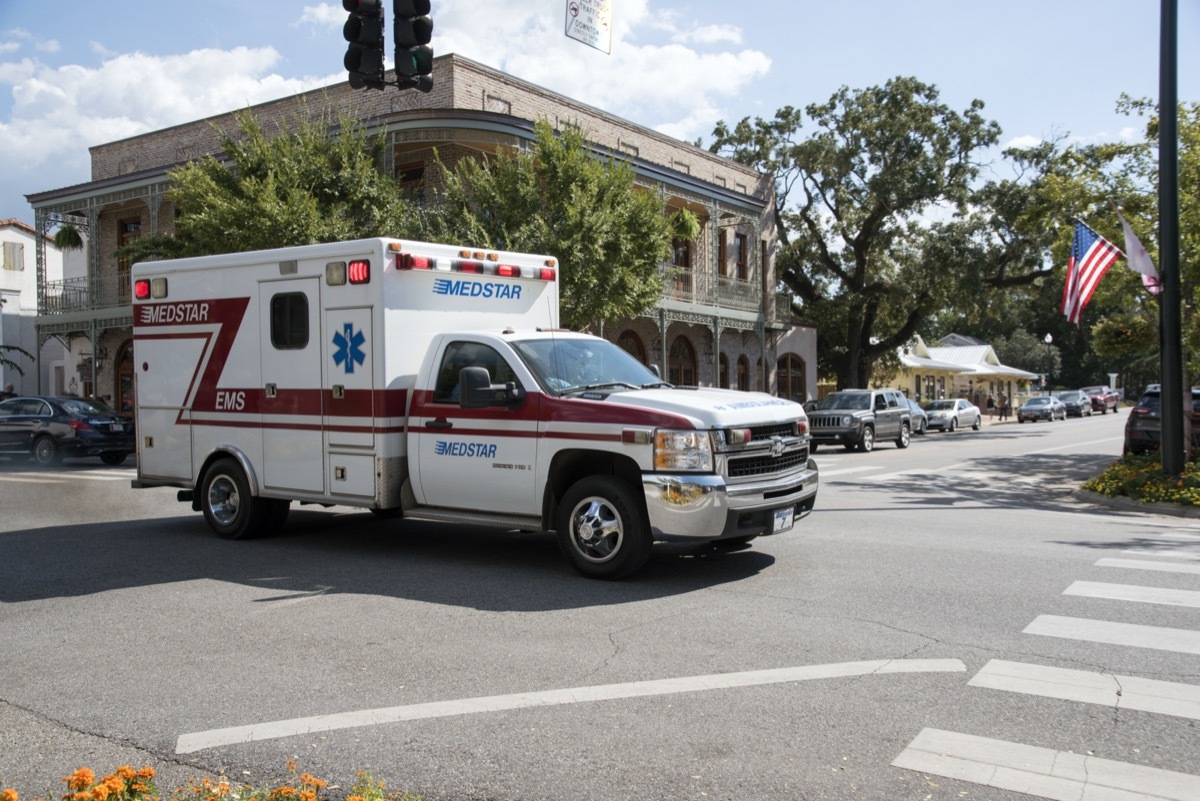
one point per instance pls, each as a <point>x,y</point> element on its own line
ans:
<point>432,382</point>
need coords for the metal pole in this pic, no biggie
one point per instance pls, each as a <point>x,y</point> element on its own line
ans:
<point>1168,245</point>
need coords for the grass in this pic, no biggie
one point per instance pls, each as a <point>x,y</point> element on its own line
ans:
<point>1142,478</point>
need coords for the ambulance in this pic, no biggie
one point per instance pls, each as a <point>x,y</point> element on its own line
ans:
<point>433,382</point>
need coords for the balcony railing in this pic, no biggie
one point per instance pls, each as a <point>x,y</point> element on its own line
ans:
<point>730,293</point>
<point>85,294</point>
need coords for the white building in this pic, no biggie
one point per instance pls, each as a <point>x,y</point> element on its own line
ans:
<point>19,308</point>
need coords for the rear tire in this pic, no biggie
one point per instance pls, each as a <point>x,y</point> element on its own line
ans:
<point>978,424</point>
<point>229,508</point>
<point>45,451</point>
<point>602,528</point>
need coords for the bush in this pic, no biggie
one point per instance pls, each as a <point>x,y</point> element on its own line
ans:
<point>1142,478</point>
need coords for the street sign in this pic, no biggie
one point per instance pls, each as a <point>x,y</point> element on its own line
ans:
<point>590,22</point>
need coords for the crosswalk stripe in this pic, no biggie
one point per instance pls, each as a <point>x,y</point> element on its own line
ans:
<point>1041,772</point>
<point>1164,554</point>
<point>1104,689</point>
<point>27,480</point>
<point>1129,592</point>
<point>1077,628</point>
<point>1142,564</point>
<point>846,470</point>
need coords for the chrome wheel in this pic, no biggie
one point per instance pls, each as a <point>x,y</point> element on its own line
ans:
<point>596,530</point>
<point>224,500</point>
<point>602,527</point>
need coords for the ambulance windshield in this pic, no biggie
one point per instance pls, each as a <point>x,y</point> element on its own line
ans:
<point>566,364</point>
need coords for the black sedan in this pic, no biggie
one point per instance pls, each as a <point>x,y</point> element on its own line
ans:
<point>48,429</point>
<point>1041,407</point>
<point>1077,402</point>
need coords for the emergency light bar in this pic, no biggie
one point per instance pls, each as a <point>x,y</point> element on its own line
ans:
<point>479,265</point>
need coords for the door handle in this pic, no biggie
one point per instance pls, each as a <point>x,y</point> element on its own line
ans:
<point>440,423</point>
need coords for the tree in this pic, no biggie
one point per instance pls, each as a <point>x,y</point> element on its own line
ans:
<point>1027,352</point>
<point>849,203</point>
<point>610,237</point>
<point>311,182</point>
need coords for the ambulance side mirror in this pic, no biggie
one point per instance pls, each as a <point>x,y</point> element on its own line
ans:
<point>476,390</point>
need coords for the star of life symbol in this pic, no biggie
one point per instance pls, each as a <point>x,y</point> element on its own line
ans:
<point>349,347</point>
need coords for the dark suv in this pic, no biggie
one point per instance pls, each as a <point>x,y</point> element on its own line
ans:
<point>1143,428</point>
<point>857,418</point>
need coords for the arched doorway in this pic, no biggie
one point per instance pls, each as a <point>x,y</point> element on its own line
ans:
<point>631,343</point>
<point>791,378</point>
<point>124,394</point>
<point>683,363</point>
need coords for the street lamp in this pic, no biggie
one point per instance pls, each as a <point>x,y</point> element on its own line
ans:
<point>1046,385</point>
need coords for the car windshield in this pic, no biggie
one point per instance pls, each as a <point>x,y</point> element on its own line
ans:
<point>1093,390</point>
<point>1068,396</point>
<point>939,406</point>
<point>566,364</point>
<point>1038,402</point>
<point>853,401</point>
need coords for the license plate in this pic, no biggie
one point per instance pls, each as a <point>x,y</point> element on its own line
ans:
<point>784,518</point>
<point>116,427</point>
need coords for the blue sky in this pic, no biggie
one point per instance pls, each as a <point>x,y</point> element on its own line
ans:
<point>75,74</point>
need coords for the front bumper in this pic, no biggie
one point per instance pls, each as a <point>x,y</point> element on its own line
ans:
<point>705,507</point>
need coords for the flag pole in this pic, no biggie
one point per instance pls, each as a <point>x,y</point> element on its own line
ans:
<point>1172,449</point>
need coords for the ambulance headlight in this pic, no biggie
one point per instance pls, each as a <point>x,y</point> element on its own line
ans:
<point>683,450</point>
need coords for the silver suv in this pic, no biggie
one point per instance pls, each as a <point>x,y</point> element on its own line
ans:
<point>857,418</point>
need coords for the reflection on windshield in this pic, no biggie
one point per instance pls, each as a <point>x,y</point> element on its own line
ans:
<point>938,405</point>
<point>853,402</point>
<point>565,364</point>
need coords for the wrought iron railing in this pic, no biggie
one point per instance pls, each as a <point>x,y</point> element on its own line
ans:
<point>86,294</point>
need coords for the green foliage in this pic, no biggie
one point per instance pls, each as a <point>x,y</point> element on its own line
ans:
<point>68,237</point>
<point>12,350</point>
<point>309,181</point>
<point>848,203</point>
<point>609,237</point>
<point>1025,351</point>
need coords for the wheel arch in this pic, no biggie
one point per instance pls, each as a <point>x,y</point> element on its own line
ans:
<point>222,452</point>
<point>570,465</point>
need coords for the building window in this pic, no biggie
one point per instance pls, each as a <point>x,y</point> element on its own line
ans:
<point>761,386</point>
<point>791,378</point>
<point>631,343</point>
<point>411,178</point>
<point>683,363</point>
<point>723,371</point>
<point>741,252</point>
<point>682,262</point>
<point>289,321</point>
<point>721,268</point>
<point>127,231</point>
<point>14,255</point>
<point>743,373</point>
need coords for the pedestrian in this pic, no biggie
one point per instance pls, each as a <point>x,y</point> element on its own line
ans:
<point>1003,401</point>
<point>991,406</point>
<point>8,392</point>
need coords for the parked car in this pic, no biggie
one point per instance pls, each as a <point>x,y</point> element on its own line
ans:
<point>951,414</point>
<point>1104,398</point>
<point>1041,407</point>
<point>920,420</point>
<point>49,428</point>
<point>1143,427</point>
<point>1078,403</point>
<point>856,418</point>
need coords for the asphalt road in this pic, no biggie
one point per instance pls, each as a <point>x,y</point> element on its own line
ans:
<point>951,622</point>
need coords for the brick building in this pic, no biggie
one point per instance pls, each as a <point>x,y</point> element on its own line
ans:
<point>720,321</point>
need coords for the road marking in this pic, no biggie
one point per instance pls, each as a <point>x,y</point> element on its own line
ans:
<point>1160,638</point>
<point>1164,554</point>
<point>844,471</point>
<point>27,480</point>
<point>198,741</point>
<point>1104,689</point>
<point>1142,564</point>
<point>1041,772</point>
<point>1075,445</point>
<point>1129,592</point>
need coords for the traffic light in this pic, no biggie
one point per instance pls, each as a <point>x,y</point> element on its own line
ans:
<point>364,31</point>
<point>414,57</point>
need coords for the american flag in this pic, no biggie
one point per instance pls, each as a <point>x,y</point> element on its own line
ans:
<point>1091,256</point>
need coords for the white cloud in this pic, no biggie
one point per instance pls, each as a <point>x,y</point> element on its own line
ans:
<point>711,34</point>
<point>322,16</point>
<point>1023,142</point>
<point>48,46</point>
<point>9,47</point>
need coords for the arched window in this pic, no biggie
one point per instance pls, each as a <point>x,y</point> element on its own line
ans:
<point>683,363</point>
<point>631,343</point>
<point>743,373</point>
<point>723,378</point>
<point>791,378</point>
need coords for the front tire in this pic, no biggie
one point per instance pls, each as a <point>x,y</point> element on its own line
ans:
<point>229,508</point>
<point>602,528</point>
<point>113,458</point>
<point>866,442</point>
<point>953,425</point>
<point>905,436</point>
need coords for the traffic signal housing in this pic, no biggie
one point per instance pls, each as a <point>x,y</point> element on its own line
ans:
<point>364,31</point>
<point>414,57</point>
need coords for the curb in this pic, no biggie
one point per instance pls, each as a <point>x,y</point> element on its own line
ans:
<point>1127,504</point>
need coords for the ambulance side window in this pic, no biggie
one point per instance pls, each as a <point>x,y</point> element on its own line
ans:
<point>468,354</point>
<point>289,321</point>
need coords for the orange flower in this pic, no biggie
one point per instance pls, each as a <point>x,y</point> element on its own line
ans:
<point>8,794</point>
<point>100,792</point>
<point>309,780</point>
<point>126,772</point>
<point>81,779</point>
<point>114,783</point>
<point>355,798</point>
<point>146,773</point>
